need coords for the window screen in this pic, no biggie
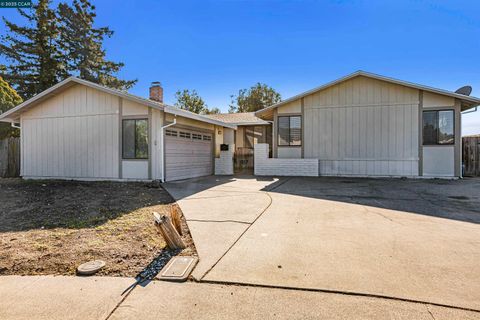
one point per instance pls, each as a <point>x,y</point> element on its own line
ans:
<point>135,139</point>
<point>290,131</point>
<point>445,127</point>
<point>438,127</point>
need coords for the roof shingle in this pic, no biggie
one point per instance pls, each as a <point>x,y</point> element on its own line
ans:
<point>245,118</point>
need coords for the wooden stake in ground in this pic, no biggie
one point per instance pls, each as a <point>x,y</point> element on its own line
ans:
<point>176,219</point>
<point>166,228</point>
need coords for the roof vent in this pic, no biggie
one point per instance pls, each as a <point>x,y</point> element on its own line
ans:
<point>465,90</point>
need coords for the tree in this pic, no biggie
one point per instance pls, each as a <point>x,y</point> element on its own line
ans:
<point>82,45</point>
<point>191,101</point>
<point>35,59</point>
<point>213,111</point>
<point>9,98</point>
<point>257,97</point>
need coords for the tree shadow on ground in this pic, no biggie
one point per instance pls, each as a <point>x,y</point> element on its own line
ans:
<point>449,199</point>
<point>48,204</point>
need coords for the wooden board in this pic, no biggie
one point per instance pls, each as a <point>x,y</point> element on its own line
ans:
<point>471,155</point>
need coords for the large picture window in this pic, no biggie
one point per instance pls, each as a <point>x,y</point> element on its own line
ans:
<point>290,131</point>
<point>135,139</point>
<point>438,127</point>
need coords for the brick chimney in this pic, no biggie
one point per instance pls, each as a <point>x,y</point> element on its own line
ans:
<point>156,92</point>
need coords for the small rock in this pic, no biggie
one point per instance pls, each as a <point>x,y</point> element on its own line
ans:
<point>90,267</point>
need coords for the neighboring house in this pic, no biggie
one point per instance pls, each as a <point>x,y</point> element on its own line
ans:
<point>368,125</point>
<point>81,130</point>
<point>250,131</point>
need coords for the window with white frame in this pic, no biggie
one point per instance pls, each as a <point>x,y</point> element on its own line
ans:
<point>185,135</point>
<point>171,133</point>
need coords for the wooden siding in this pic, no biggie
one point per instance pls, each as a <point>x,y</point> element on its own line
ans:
<point>10,157</point>
<point>72,135</point>
<point>363,126</point>
<point>291,107</point>
<point>471,155</point>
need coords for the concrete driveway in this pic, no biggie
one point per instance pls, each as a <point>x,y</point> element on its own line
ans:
<point>416,240</point>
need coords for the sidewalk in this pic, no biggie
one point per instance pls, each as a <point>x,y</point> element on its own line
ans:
<point>48,297</point>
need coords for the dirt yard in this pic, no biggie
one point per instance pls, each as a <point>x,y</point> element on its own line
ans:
<point>50,227</point>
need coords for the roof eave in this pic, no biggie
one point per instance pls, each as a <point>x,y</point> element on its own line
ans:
<point>72,80</point>
<point>264,123</point>
<point>473,100</point>
<point>194,116</point>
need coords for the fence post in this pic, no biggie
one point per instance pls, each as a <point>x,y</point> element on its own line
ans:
<point>10,157</point>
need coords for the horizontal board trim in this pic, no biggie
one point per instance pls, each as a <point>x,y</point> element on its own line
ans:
<point>388,104</point>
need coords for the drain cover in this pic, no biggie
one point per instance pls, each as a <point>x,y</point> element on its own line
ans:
<point>90,267</point>
<point>178,269</point>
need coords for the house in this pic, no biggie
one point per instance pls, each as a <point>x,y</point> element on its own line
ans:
<point>366,125</point>
<point>250,131</point>
<point>360,125</point>
<point>81,130</point>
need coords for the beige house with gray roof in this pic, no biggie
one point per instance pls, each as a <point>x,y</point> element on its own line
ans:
<point>360,125</point>
<point>370,125</point>
<point>83,131</point>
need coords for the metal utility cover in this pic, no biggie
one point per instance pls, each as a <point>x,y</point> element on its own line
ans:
<point>178,269</point>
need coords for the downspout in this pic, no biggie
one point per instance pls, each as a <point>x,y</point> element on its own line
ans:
<point>15,126</point>
<point>470,111</point>
<point>162,151</point>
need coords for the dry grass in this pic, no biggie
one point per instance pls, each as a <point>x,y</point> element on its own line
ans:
<point>52,227</point>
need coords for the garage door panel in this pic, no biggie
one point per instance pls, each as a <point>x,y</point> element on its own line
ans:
<point>186,157</point>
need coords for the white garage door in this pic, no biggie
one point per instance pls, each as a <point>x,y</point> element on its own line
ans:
<point>188,154</point>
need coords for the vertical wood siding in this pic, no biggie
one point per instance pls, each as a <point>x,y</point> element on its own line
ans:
<point>72,135</point>
<point>363,126</point>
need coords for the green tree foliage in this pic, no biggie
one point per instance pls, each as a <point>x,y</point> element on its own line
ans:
<point>54,44</point>
<point>257,97</point>
<point>9,98</point>
<point>35,62</point>
<point>191,101</point>
<point>213,111</point>
<point>82,45</point>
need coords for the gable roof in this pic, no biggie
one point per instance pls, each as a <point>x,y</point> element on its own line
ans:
<point>239,119</point>
<point>469,101</point>
<point>13,114</point>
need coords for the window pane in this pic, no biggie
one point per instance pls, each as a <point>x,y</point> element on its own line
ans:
<point>141,139</point>
<point>430,128</point>
<point>283,131</point>
<point>128,139</point>
<point>295,131</point>
<point>445,127</point>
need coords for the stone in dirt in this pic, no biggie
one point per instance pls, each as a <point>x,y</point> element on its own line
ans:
<point>90,267</point>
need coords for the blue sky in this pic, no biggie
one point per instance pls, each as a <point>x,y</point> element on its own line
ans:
<point>219,47</point>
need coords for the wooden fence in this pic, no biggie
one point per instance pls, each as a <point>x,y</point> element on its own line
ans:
<point>471,155</point>
<point>10,157</point>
